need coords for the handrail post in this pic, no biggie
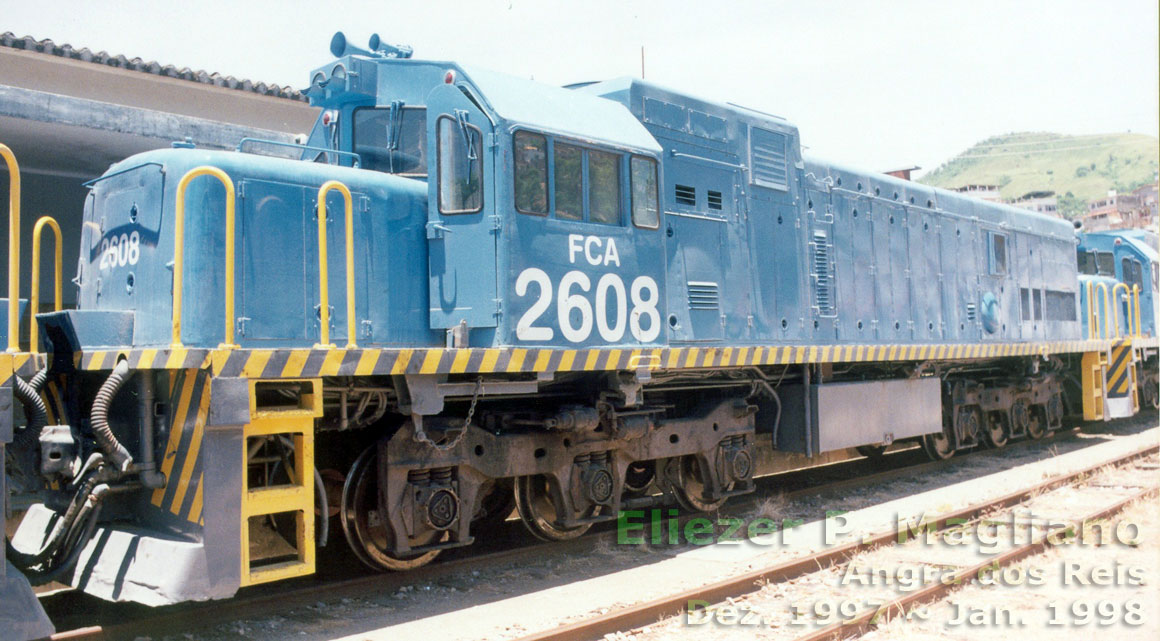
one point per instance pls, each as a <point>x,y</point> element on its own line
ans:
<point>34,295</point>
<point>1093,332</point>
<point>1128,312</point>
<point>1136,304</point>
<point>1102,317</point>
<point>179,251</point>
<point>323,266</point>
<point>13,248</point>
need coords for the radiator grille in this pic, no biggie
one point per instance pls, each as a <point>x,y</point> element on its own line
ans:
<point>823,274</point>
<point>703,295</point>
<point>767,155</point>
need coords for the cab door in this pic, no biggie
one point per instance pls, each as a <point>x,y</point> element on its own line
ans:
<point>461,221</point>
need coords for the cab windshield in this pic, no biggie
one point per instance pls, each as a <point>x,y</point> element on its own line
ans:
<point>392,140</point>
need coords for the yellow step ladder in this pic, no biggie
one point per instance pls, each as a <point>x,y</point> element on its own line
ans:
<point>293,419</point>
<point>1109,383</point>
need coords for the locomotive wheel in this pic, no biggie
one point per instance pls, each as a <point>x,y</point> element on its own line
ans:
<point>938,446</point>
<point>539,513</point>
<point>364,526</point>
<point>639,478</point>
<point>496,505</point>
<point>995,435</point>
<point>690,487</point>
<point>1151,395</point>
<point>1036,428</point>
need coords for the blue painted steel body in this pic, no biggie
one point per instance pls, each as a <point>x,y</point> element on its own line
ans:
<point>755,244</point>
<point>22,305</point>
<point>277,253</point>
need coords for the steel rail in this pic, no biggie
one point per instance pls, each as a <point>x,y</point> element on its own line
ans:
<point>866,621</point>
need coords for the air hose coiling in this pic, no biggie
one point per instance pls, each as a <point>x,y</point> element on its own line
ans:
<point>107,441</point>
<point>34,410</point>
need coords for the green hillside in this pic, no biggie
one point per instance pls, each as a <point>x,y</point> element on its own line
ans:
<point>1077,168</point>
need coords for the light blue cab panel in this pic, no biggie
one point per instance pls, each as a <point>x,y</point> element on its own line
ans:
<point>572,206</point>
<point>1122,256</point>
<point>127,251</point>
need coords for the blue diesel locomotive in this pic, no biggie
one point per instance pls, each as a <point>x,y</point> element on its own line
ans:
<point>469,291</point>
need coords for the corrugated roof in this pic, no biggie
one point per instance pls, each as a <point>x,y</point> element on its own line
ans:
<point>46,46</point>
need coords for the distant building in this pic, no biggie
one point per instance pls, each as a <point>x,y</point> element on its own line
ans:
<point>1147,196</point>
<point>1043,202</point>
<point>1123,211</point>
<point>989,193</point>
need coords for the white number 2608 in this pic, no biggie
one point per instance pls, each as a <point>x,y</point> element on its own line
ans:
<point>609,290</point>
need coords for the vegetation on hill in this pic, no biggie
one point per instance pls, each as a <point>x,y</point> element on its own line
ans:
<point>1078,169</point>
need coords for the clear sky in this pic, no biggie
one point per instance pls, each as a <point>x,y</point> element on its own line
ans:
<point>874,84</point>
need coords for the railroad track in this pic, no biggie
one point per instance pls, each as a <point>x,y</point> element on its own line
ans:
<point>139,620</point>
<point>650,612</point>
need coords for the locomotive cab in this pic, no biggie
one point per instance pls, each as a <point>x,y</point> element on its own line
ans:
<point>543,225</point>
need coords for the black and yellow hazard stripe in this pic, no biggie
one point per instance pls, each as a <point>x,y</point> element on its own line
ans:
<point>6,370</point>
<point>1119,365</point>
<point>182,463</point>
<point>25,364</point>
<point>312,363</point>
<point>148,358</point>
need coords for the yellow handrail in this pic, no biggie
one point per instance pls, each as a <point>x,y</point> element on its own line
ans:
<point>1115,324</point>
<point>1136,295</point>
<point>13,248</point>
<point>179,251</point>
<point>1116,303</point>
<point>1094,318</point>
<point>34,295</point>
<point>323,269</point>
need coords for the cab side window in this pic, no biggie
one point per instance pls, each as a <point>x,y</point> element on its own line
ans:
<point>460,167</point>
<point>604,187</point>
<point>578,182</point>
<point>1087,262</point>
<point>1105,264</point>
<point>392,140</point>
<point>569,184</point>
<point>645,212</point>
<point>1133,273</point>
<point>531,154</point>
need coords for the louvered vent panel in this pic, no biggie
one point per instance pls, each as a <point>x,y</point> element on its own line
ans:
<point>972,314</point>
<point>767,154</point>
<point>823,274</point>
<point>686,195</point>
<point>703,295</point>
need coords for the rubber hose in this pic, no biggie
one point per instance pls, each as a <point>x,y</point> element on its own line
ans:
<point>34,411</point>
<point>26,561</point>
<point>48,576</point>
<point>107,441</point>
<point>38,380</point>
